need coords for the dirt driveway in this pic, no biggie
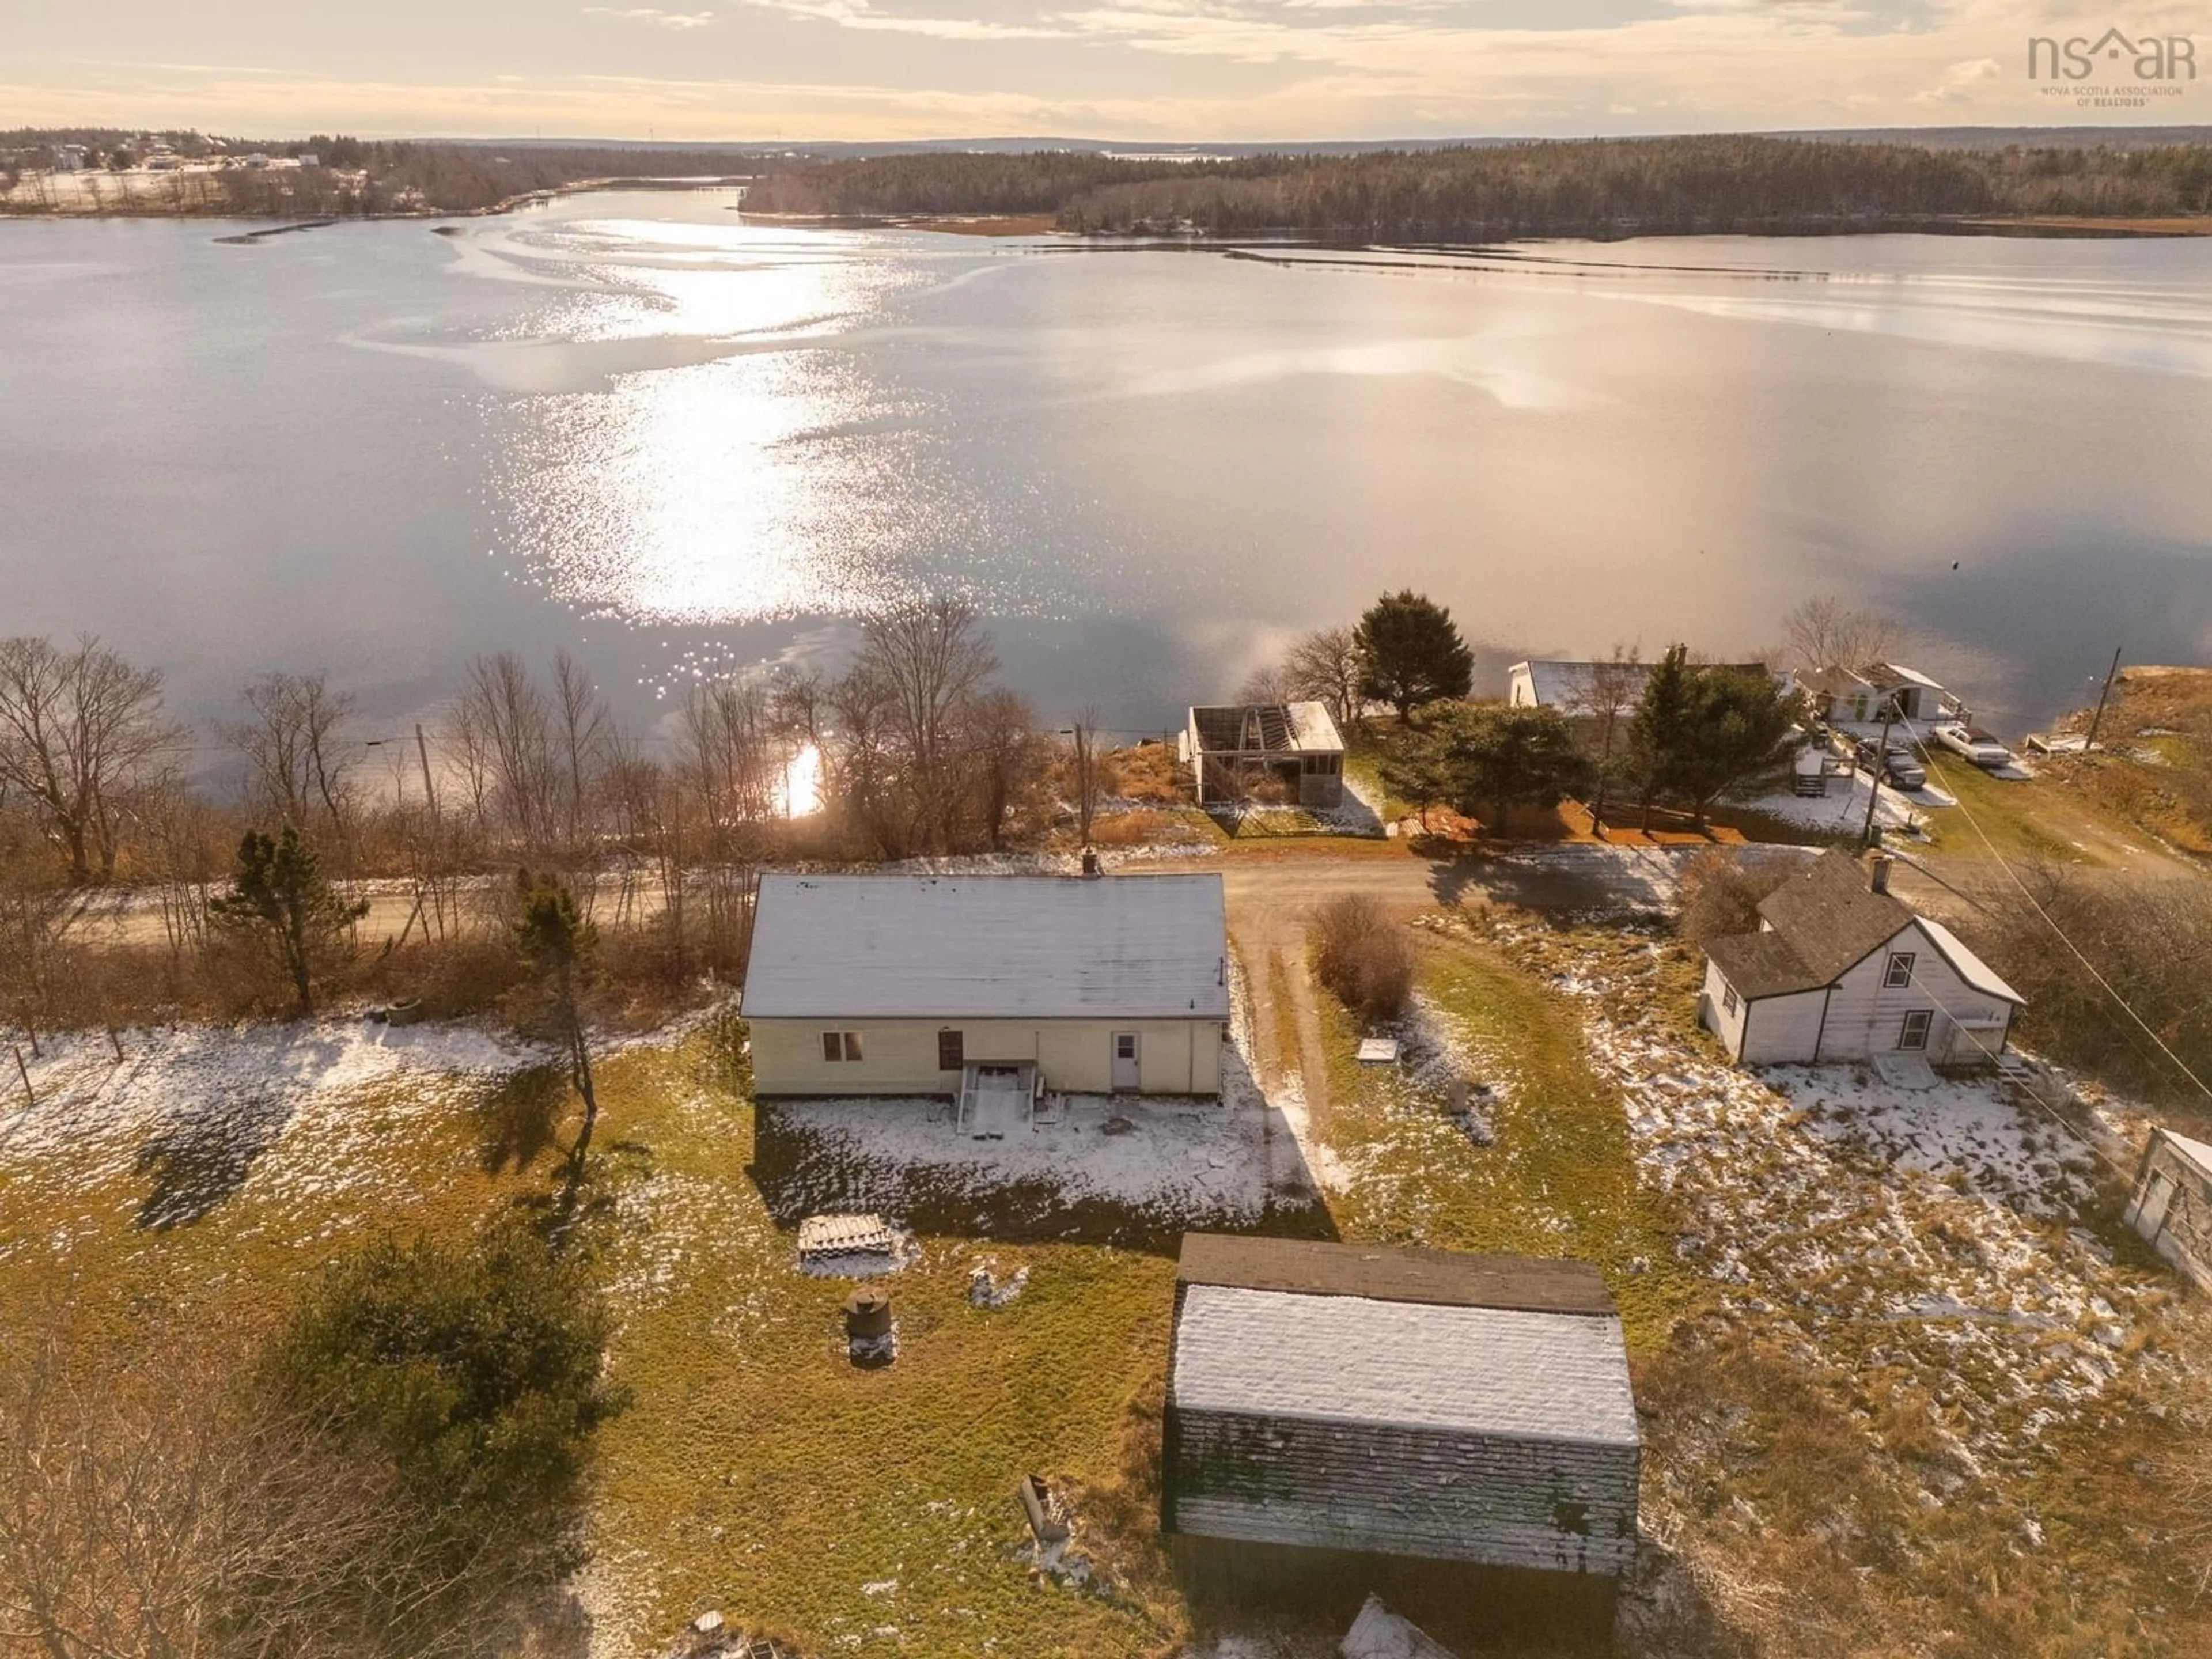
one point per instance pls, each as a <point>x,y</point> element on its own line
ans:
<point>1272,896</point>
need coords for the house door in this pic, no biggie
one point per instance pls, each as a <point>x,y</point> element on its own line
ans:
<point>1126,1075</point>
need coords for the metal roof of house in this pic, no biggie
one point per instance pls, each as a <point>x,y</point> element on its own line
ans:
<point>2192,1152</point>
<point>1968,966</point>
<point>1571,686</point>
<point>1896,673</point>
<point>1830,680</point>
<point>1388,1273</point>
<point>1541,1376</point>
<point>1290,728</point>
<point>988,947</point>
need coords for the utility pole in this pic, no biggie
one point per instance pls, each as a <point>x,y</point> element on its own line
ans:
<point>1880,765</point>
<point>2098,719</point>
<point>422,753</point>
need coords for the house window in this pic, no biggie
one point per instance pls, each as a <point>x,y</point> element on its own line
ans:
<point>1730,1001</point>
<point>951,1051</point>
<point>841,1046</point>
<point>1898,973</point>
<point>1125,1045</point>
<point>1915,1034</point>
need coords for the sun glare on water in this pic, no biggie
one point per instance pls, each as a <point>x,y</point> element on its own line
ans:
<point>800,792</point>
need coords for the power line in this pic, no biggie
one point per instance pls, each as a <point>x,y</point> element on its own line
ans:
<point>2110,990</point>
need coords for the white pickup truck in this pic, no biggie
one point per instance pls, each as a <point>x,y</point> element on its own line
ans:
<point>1976,744</point>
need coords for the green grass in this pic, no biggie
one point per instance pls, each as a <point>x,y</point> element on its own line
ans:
<point>1560,1177</point>
<point>2021,821</point>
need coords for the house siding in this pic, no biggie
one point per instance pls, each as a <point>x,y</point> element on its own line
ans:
<point>1865,1017</point>
<point>1560,1505</point>
<point>1174,1057</point>
<point>1780,1030</point>
<point>1713,1013</point>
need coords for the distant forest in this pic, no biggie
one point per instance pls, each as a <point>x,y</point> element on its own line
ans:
<point>1602,187</point>
<point>357,176</point>
<point>1588,187</point>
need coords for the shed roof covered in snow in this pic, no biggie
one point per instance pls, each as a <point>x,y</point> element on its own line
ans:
<point>1412,1402</point>
<point>990,947</point>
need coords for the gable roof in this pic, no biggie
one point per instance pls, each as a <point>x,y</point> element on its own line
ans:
<point>1826,919</point>
<point>1351,1359</point>
<point>988,947</point>
<point>2193,1153</point>
<point>1828,915</point>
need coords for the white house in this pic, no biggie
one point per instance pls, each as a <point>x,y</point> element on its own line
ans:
<point>1577,689</point>
<point>1841,969</point>
<point>1848,696</point>
<point>988,985</point>
<point>1233,748</point>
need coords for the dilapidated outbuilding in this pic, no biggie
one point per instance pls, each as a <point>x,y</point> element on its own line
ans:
<point>2172,1205</point>
<point>1242,752</point>
<point>1454,1431</point>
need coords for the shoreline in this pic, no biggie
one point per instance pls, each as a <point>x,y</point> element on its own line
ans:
<point>992,226</point>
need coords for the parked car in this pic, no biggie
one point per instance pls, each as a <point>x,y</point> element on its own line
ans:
<point>1894,766</point>
<point>1976,744</point>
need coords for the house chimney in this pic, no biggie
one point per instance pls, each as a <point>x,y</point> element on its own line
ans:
<point>1092,868</point>
<point>1878,872</point>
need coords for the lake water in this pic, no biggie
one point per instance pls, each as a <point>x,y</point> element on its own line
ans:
<point>641,428</point>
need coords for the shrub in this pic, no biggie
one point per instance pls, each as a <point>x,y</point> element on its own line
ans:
<point>476,1371</point>
<point>1721,891</point>
<point>1363,956</point>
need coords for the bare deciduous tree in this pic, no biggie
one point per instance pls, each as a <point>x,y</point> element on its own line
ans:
<point>1325,666</point>
<point>298,767</point>
<point>1827,633</point>
<point>581,723</point>
<point>79,729</point>
<point>927,660</point>
<point>1268,683</point>
<point>148,1506</point>
<point>507,720</point>
<point>1087,772</point>
<point>1616,686</point>
<point>1009,755</point>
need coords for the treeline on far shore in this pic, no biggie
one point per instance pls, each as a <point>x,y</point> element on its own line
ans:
<point>1596,187</point>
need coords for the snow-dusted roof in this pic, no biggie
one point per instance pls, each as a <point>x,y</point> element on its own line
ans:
<point>990,947</point>
<point>1968,966</point>
<point>1573,687</point>
<point>1896,673</point>
<point>1554,1377</point>
<point>2196,1151</point>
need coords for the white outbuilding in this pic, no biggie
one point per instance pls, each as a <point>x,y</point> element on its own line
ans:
<point>1843,969</point>
<point>987,987</point>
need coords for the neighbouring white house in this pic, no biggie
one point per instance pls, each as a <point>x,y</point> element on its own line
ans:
<point>1855,697</point>
<point>1237,752</point>
<point>2172,1205</point>
<point>987,987</point>
<point>1842,970</point>
<point>1579,689</point>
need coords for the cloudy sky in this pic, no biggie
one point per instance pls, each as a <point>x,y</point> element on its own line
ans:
<point>1130,68</point>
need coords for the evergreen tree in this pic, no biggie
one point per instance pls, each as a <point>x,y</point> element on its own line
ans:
<point>1411,652</point>
<point>1655,736</point>
<point>1483,759</point>
<point>1737,726</point>
<point>281,900</point>
<point>558,944</point>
